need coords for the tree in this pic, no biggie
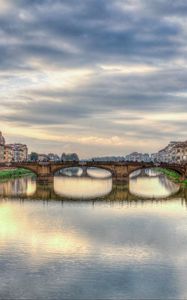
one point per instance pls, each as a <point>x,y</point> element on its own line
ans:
<point>69,157</point>
<point>34,156</point>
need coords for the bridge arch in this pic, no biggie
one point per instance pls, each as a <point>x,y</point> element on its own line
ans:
<point>170,168</point>
<point>58,168</point>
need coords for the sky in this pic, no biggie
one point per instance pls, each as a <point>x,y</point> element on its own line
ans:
<point>96,77</point>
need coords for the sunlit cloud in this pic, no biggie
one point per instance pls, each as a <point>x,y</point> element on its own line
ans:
<point>5,5</point>
<point>129,69</point>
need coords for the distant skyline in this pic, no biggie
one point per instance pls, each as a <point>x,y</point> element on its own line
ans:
<point>95,77</point>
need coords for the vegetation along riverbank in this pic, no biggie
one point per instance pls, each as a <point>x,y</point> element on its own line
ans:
<point>13,173</point>
<point>173,175</point>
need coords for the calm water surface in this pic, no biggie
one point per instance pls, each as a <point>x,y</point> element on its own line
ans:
<point>86,238</point>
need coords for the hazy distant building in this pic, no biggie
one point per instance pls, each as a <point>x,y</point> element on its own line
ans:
<point>154,157</point>
<point>108,158</point>
<point>53,157</point>
<point>138,157</point>
<point>69,157</point>
<point>42,157</point>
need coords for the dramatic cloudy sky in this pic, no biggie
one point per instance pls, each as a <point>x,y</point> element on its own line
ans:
<point>97,77</point>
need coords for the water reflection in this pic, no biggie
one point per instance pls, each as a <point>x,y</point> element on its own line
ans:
<point>150,172</point>
<point>74,171</point>
<point>82,188</point>
<point>143,184</point>
<point>150,183</point>
<point>18,186</point>
<point>123,247</point>
<point>85,252</point>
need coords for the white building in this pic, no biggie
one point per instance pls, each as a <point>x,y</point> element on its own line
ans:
<point>179,152</point>
<point>136,156</point>
<point>42,157</point>
<point>53,157</point>
<point>165,155</point>
<point>18,151</point>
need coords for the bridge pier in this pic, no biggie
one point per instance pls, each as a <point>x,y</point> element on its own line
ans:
<point>84,172</point>
<point>124,180</point>
<point>45,191</point>
<point>43,180</point>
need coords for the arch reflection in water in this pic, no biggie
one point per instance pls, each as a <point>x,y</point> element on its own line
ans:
<point>70,172</point>
<point>98,173</point>
<point>82,188</point>
<point>152,184</point>
<point>18,186</point>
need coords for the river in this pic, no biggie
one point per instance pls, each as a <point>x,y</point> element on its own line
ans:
<point>88,238</point>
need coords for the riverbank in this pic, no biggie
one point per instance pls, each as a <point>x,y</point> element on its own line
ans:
<point>13,173</point>
<point>173,175</point>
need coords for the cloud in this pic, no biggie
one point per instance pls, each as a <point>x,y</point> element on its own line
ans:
<point>75,66</point>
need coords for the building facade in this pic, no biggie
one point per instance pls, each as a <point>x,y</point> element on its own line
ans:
<point>53,157</point>
<point>138,157</point>
<point>8,153</point>
<point>20,152</point>
<point>16,153</point>
<point>179,152</point>
<point>12,152</point>
<point>42,157</point>
<point>2,147</point>
<point>166,154</point>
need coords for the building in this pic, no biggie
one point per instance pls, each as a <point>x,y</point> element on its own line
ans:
<point>19,152</point>
<point>2,139</point>
<point>53,157</point>
<point>154,157</point>
<point>138,157</point>
<point>179,152</point>
<point>12,152</point>
<point>165,154</point>
<point>42,157</point>
<point>8,153</point>
<point>2,147</point>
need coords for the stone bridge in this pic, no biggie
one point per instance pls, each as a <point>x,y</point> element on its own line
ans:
<point>120,171</point>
